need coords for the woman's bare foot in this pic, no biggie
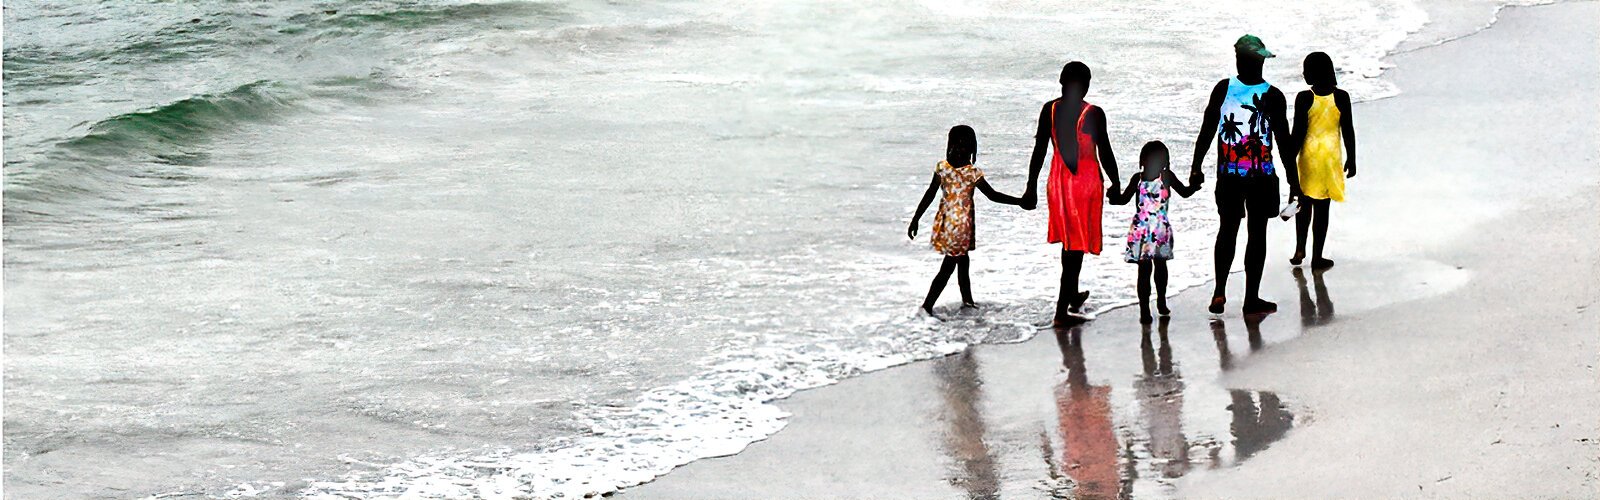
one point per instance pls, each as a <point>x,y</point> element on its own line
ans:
<point>1321,263</point>
<point>1216,304</point>
<point>1299,255</point>
<point>1067,320</point>
<point>969,305</point>
<point>1161,307</point>
<point>1077,303</point>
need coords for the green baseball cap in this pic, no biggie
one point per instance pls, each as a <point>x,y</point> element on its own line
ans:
<point>1249,44</point>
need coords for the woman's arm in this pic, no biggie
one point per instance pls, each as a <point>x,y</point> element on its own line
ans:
<point>1041,141</point>
<point>927,199</point>
<point>1347,123</point>
<point>1178,186</point>
<point>1108,158</point>
<point>996,196</point>
<point>1126,194</point>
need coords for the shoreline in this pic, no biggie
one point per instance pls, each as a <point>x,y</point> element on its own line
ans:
<point>838,435</point>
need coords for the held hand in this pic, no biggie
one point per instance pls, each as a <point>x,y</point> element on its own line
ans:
<point>1196,179</point>
<point>911,232</point>
<point>1030,200</point>
<point>1349,168</point>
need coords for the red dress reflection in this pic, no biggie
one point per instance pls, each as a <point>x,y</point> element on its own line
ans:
<point>1090,454</point>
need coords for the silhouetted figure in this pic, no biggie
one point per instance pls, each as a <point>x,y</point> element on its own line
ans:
<point>1076,131</point>
<point>963,395</point>
<point>1090,455</point>
<point>1318,311</point>
<point>1150,236</point>
<point>1243,116</point>
<point>1322,118</point>
<point>954,228</point>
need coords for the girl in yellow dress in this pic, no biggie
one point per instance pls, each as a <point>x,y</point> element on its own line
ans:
<point>953,227</point>
<point>1322,124</point>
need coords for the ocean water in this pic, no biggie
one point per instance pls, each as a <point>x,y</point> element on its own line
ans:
<point>444,249</point>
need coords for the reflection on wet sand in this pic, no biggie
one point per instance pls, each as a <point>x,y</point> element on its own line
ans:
<point>1169,430</point>
<point>959,382</point>
<point>1313,312</point>
<point>1219,334</point>
<point>1256,425</point>
<point>1160,393</point>
<point>1089,445</point>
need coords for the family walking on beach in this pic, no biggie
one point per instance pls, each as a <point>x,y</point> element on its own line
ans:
<point>1245,116</point>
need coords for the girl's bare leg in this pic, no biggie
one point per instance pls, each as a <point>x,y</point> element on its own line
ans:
<point>939,281</point>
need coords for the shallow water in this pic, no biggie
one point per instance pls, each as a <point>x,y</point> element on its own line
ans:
<point>456,249</point>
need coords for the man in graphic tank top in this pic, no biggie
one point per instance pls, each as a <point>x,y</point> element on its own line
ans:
<point>1244,117</point>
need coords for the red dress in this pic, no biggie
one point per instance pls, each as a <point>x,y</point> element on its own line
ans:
<point>1075,198</point>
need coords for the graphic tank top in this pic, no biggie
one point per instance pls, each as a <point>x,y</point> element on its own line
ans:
<point>1243,137</point>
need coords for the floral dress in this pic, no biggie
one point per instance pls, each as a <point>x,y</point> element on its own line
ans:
<point>952,226</point>
<point>1150,237</point>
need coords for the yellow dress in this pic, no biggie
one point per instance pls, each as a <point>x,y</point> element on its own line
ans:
<point>1322,155</point>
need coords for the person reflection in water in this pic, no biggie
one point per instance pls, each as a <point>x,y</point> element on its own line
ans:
<point>1219,333</point>
<point>1160,392</point>
<point>1089,454</point>
<point>1318,311</point>
<point>958,380</point>
<point>1255,426</point>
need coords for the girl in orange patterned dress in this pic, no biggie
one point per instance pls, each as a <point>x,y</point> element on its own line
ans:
<point>953,227</point>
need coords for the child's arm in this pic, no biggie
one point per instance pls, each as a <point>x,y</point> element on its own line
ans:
<point>1347,123</point>
<point>1177,185</point>
<point>996,196</point>
<point>927,199</point>
<point>1277,108</point>
<point>1302,108</point>
<point>1127,192</point>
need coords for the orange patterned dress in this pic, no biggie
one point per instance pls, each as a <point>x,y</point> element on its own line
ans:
<point>953,230</point>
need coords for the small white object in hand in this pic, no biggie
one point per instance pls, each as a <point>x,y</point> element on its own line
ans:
<point>1289,208</point>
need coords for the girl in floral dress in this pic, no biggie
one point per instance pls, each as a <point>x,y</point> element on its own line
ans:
<point>1150,236</point>
<point>953,227</point>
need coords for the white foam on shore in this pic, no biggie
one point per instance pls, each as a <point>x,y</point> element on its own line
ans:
<point>717,413</point>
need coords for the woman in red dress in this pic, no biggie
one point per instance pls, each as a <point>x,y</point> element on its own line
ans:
<point>1075,191</point>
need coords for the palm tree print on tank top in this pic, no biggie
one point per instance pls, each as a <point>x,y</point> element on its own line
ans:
<point>1245,152</point>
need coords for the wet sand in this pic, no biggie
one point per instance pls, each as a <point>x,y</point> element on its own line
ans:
<point>1451,352</point>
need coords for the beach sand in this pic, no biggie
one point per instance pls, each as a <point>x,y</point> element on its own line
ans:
<point>1450,354</point>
